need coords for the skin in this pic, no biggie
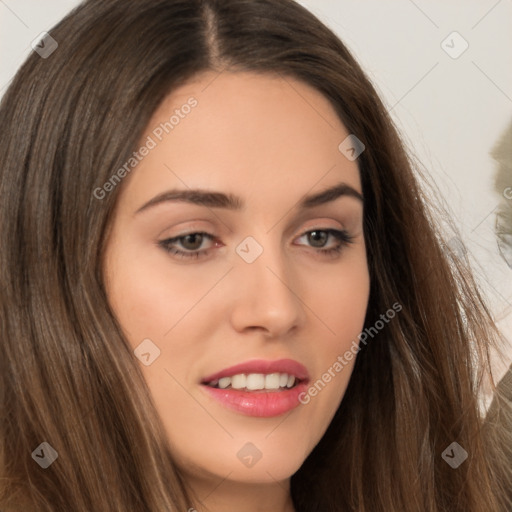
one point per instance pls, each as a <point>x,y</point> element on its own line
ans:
<point>270,141</point>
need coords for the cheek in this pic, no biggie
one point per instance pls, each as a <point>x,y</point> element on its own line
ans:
<point>169,304</point>
<point>149,295</point>
<point>340,307</point>
<point>340,301</point>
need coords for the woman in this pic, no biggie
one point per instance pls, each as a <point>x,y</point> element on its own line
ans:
<point>221,285</point>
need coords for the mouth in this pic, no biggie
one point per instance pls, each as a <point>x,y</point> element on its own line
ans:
<point>258,388</point>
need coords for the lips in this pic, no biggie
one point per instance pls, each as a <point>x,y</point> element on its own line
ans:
<point>258,388</point>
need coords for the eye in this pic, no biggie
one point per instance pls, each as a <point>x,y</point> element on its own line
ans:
<point>191,242</point>
<point>318,238</point>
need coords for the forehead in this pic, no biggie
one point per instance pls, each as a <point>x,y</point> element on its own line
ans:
<point>261,134</point>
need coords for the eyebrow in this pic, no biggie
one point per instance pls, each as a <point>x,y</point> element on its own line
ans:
<point>231,202</point>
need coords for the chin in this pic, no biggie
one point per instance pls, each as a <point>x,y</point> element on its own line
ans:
<point>276,466</point>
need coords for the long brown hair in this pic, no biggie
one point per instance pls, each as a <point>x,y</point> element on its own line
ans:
<point>67,375</point>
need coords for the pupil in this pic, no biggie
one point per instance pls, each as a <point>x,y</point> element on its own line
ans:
<point>317,236</point>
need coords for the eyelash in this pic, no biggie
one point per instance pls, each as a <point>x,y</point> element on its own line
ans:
<point>342,236</point>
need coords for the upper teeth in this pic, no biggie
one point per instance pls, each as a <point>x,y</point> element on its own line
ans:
<point>254,381</point>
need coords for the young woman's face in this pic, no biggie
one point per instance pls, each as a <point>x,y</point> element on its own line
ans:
<point>256,278</point>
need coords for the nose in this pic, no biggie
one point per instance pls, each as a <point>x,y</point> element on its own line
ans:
<point>267,296</point>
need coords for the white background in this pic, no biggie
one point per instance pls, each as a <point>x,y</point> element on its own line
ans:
<point>451,112</point>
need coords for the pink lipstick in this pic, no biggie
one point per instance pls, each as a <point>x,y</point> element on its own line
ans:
<point>259,388</point>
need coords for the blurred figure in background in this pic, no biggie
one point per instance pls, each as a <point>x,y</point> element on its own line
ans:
<point>499,416</point>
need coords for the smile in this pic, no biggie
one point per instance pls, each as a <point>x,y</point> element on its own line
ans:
<point>258,388</point>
